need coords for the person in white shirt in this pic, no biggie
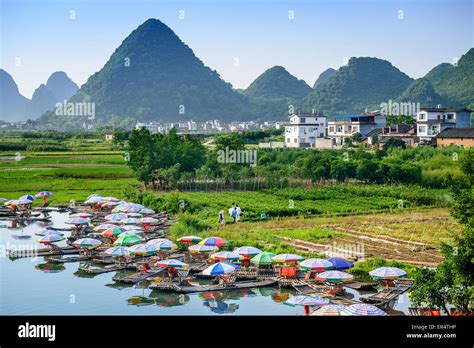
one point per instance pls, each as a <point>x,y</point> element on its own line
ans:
<point>239,212</point>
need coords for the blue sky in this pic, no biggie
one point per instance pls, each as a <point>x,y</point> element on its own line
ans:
<point>259,33</point>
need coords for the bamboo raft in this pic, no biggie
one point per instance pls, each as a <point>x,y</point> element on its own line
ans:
<point>139,276</point>
<point>67,250</point>
<point>388,296</point>
<point>219,287</point>
<point>99,270</point>
<point>360,285</point>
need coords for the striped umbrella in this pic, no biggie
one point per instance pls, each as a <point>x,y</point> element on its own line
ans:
<point>117,251</point>
<point>128,208</point>
<point>362,309</point>
<point>189,239</point>
<point>165,245</point>
<point>340,264</point>
<point>94,195</point>
<point>115,217</point>
<point>287,258</point>
<point>329,310</point>
<point>302,300</point>
<point>28,197</point>
<point>387,273</point>
<point>76,221</point>
<point>130,221</point>
<point>133,231</point>
<point>214,241</point>
<point>135,215</point>
<point>171,263</point>
<point>158,240</point>
<point>3,200</point>
<point>95,199</point>
<point>132,228</point>
<point>81,215</point>
<point>50,238</point>
<point>264,258</point>
<point>146,211</point>
<point>103,227</point>
<point>226,255</point>
<point>143,249</point>
<point>86,243</point>
<point>111,199</point>
<point>23,201</point>
<point>44,194</point>
<point>334,276</point>
<point>316,264</point>
<point>148,220</point>
<point>111,204</point>
<point>201,248</point>
<point>47,232</point>
<point>220,268</point>
<point>247,251</point>
<point>113,232</point>
<point>126,239</point>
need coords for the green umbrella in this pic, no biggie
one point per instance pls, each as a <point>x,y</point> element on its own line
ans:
<point>128,239</point>
<point>264,258</point>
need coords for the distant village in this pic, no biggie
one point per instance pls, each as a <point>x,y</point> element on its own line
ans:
<point>430,126</point>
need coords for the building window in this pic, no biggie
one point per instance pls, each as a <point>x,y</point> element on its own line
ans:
<point>331,129</point>
<point>422,129</point>
<point>450,116</point>
<point>421,117</point>
<point>302,120</point>
<point>295,140</point>
<point>287,140</point>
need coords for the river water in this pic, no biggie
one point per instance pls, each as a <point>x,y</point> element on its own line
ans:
<point>30,286</point>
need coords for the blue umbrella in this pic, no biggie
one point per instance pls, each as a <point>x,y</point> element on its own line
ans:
<point>340,264</point>
<point>220,268</point>
<point>28,197</point>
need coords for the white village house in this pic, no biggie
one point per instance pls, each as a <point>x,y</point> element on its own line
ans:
<point>341,127</point>
<point>303,130</point>
<point>432,121</point>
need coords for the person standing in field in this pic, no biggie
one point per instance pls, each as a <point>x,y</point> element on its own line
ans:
<point>231,211</point>
<point>238,213</point>
<point>234,214</point>
<point>221,218</point>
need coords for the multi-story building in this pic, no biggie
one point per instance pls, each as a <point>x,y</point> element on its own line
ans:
<point>303,130</point>
<point>432,121</point>
<point>341,127</point>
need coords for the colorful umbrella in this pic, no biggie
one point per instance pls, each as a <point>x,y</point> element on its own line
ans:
<point>76,221</point>
<point>111,199</point>
<point>86,243</point>
<point>133,231</point>
<point>316,265</point>
<point>362,309</point>
<point>202,248</point>
<point>115,217</point>
<point>226,255</point>
<point>95,199</point>
<point>111,204</point>
<point>171,263</point>
<point>126,239</point>
<point>148,220</point>
<point>189,239</point>
<point>132,228</point>
<point>302,300</point>
<point>387,273</point>
<point>2,200</point>
<point>113,232</point>
<point>48,232</point>
<point>117,251</point>
<point>287,258</point>
<point>334,276</point>
<point>214,241</point>
<point>143,249</point>
<point>247,251</point>
<point>130,221</point>
<point>50,238</point>
<point>44,194</point>
<point>165,245</point>
<point>94,195</point>
<point>220,268</point>
<point>23,201</point>
<point>146,211</point>
<point>103,227</point>
<point>340,264</point>
<point>329,310</point>
<point>28,197</point>
<point>264,258</point>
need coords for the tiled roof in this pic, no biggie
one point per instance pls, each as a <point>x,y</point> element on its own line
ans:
<point>457,133</point>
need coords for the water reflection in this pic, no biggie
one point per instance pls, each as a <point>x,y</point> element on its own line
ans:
<point>221,307</point>
<point>166,299</point>
<point>50,267</point>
